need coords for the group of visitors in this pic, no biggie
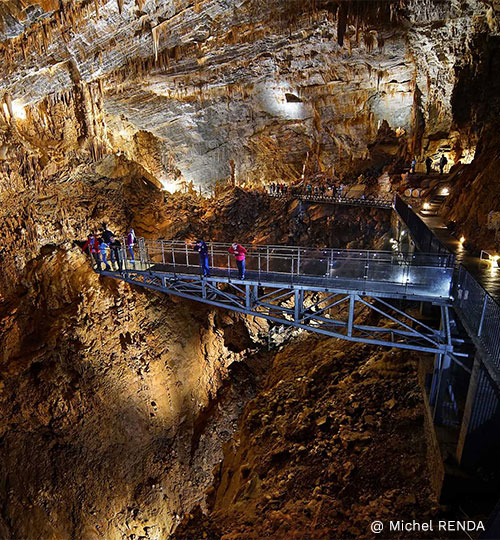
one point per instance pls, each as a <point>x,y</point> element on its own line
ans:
<point>319,190</point>
<point>99,244</point>
<point>443,161</point>
<point>237,250</point>
<point>278,189</point>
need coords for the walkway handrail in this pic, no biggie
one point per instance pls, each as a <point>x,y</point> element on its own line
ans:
<point>480,313</point>
<point>386,272</point>
<point>423,237</point>
<point>320,253</point>
<point>373,202</point>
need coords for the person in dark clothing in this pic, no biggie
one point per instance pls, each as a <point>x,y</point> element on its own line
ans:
<point>428,164</point>
<point>115,254</point>
<point>106,233</point>
<point>91,247</point>
<point>442,163</point>
<point>202,248</point>
<point>239,254</point>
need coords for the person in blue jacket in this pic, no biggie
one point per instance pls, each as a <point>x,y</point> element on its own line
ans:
<point>202,248</point>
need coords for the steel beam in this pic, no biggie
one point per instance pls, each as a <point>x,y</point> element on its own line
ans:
<point>245,299</point>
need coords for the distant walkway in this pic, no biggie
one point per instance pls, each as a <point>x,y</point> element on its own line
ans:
<point>372,202</point>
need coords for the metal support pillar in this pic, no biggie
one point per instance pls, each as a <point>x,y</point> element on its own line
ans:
<point>297,308</point>
<point>440,383</point>
<point>463,438</point>
<point>350,321</point>
<point>248,298</point>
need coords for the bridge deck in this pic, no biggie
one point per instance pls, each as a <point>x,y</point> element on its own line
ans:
<point>385,288</point>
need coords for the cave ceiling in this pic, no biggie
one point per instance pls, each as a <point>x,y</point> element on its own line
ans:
<point>185,87</point>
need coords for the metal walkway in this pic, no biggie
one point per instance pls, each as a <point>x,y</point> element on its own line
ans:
<point>371,202</point>
<point>321,290</point>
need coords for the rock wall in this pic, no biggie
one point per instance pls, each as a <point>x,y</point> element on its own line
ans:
<point>311,458</point>
<point>264,90</point>
<point>115,402</point>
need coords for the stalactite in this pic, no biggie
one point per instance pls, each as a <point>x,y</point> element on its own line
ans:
<point>156,40</point>
<point>120,6</point>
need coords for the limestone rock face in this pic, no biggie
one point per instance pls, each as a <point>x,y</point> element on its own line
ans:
<point>114,403</point>
<point>311,457</point>
<point>266,89</point>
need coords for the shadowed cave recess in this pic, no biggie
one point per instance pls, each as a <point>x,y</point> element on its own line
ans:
<point>126,413</point>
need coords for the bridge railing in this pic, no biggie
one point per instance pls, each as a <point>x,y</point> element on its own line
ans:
<point>330,197</point>
<point>480,312</point>
<point>426,273</point>
<point>423,237</point>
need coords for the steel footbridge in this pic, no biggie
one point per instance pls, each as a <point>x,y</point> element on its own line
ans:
<point>370,297</point>
<point>317,289</point>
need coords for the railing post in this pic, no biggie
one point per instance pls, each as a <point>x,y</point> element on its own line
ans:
<point>483,313</point>
<point>162,252</point>
<point>187,255</point>
<point>228,267</point>
<point>267,260</point>
<point>212,253</point>
<point>173,259</point>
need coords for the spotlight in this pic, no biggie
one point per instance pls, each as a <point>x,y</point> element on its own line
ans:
<point>462,239</point>
<point>445,191</point>
<point>426,206</point>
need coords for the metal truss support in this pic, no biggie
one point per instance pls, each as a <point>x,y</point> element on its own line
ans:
<point>327,312</point>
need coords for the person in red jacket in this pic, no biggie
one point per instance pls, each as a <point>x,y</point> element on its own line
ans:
<point>239,254</point>
<point>91,246</point>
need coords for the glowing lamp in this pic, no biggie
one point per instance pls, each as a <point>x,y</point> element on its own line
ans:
<point>445,191</point>
<point>495,258</point>
<point>462,239</point>
<point>426,206</point>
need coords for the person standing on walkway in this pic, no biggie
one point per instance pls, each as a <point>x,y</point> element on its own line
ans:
<point>428,164</point>
<point>115,255</point>
<point>239,254</point>
<point>106,234</point>
<point>103,247</point>
<point>202,248</point>
<point>91,247</point>
<point>442,163</point>
<point>413,166</point>
<point>130,244</point>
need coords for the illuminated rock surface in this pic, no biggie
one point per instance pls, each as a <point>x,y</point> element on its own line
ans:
<point>115,404</point>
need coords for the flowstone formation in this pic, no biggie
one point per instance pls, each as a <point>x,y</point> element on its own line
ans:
<point>205,91</point>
